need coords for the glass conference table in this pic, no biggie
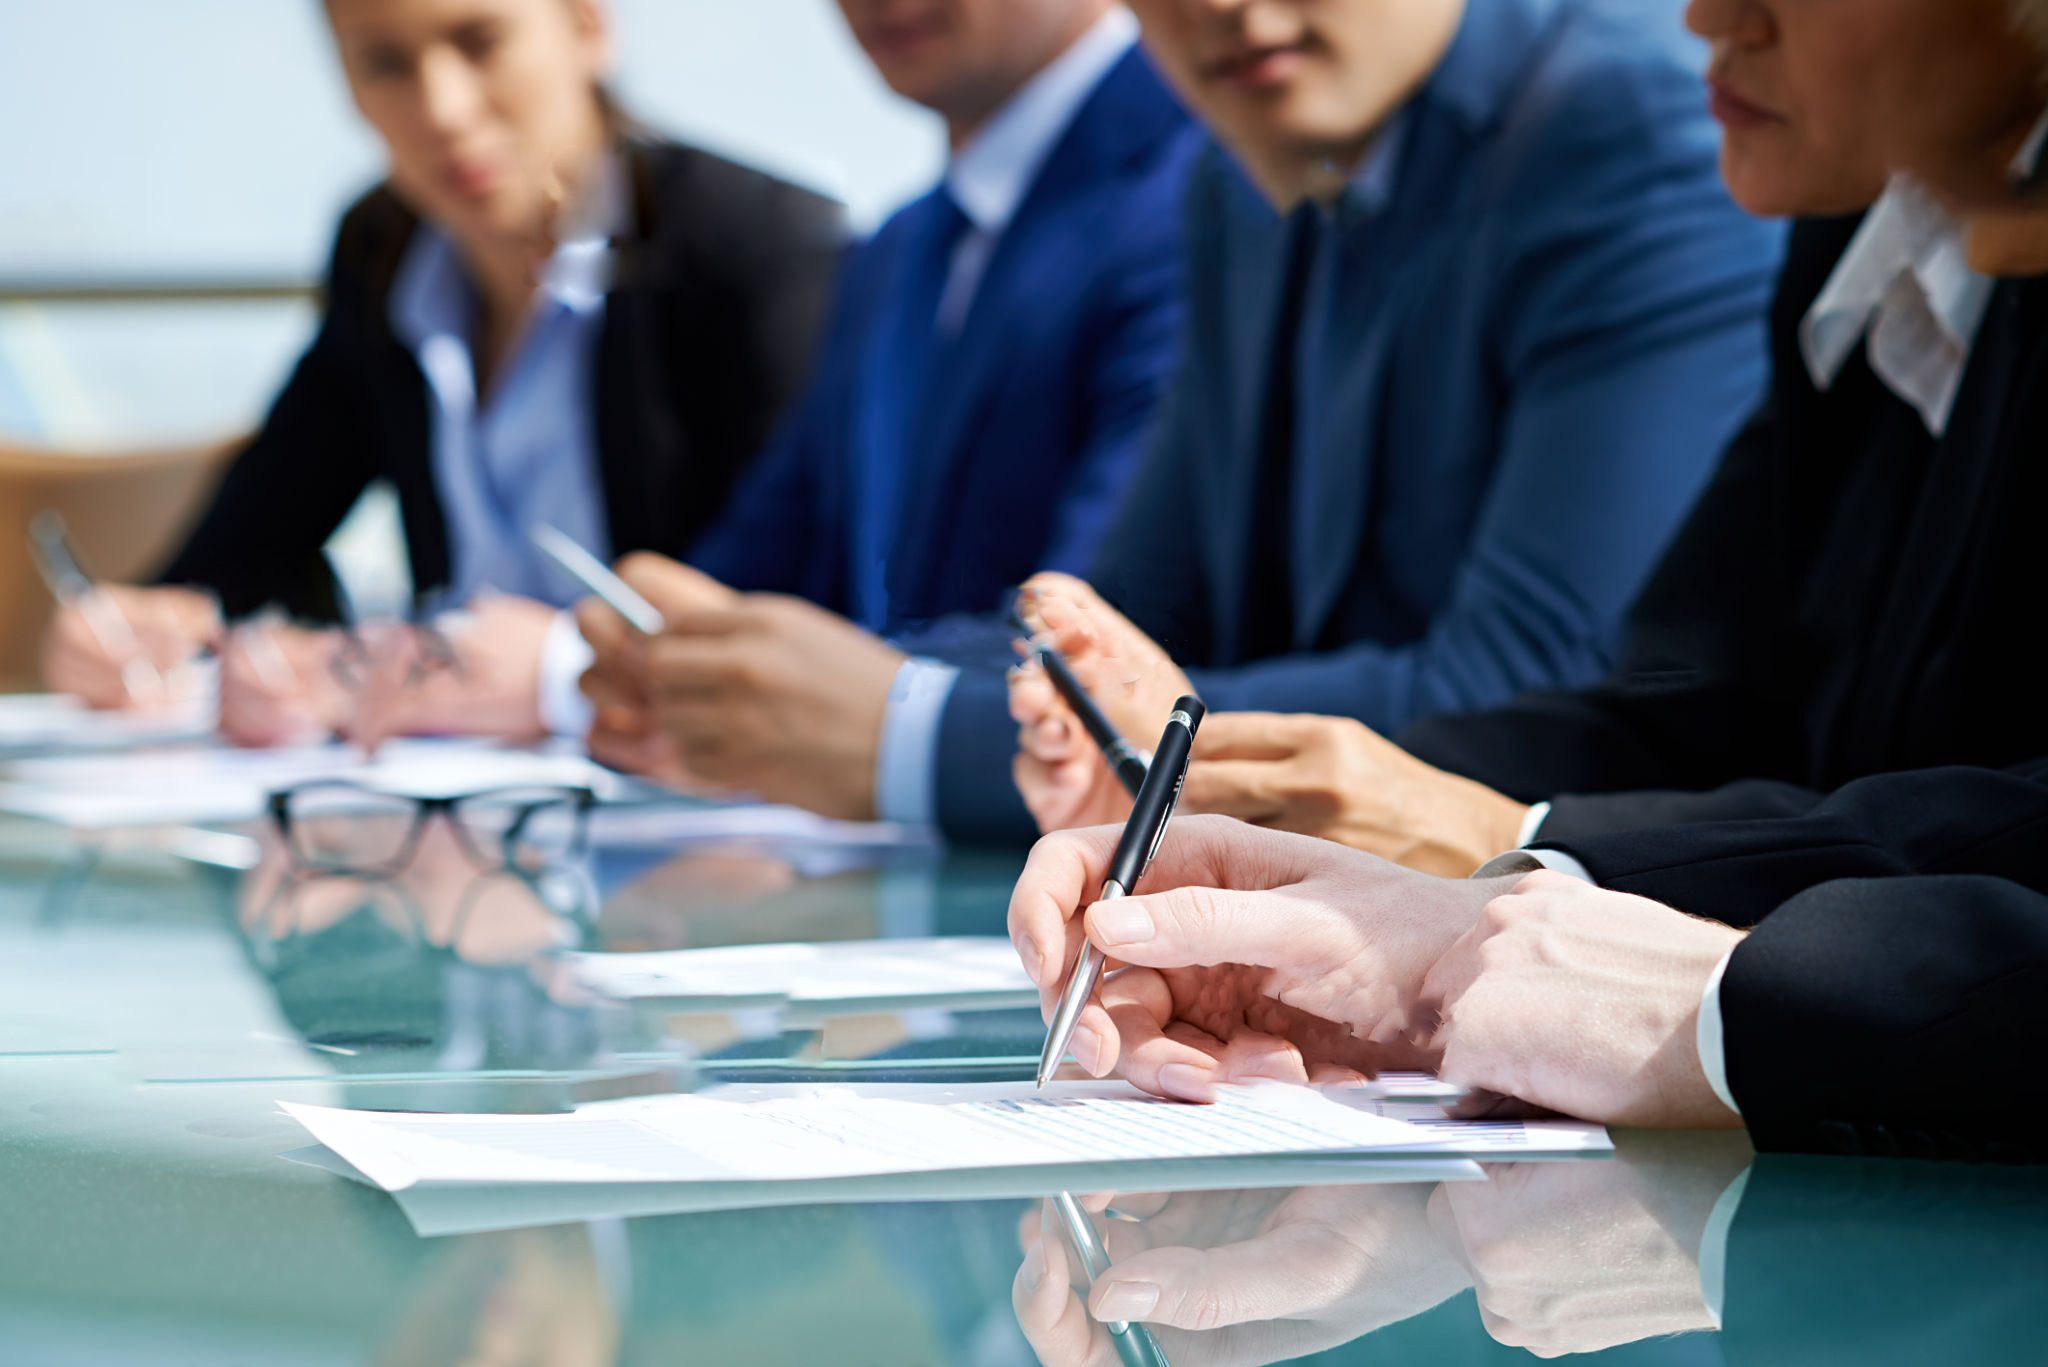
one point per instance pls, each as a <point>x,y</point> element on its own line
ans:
<point>160,992</point>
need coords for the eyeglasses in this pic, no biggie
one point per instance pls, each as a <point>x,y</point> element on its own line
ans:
<point>334,826</point>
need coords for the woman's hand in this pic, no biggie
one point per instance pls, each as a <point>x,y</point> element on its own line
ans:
<point>1061,774</point>
<point>1252,953</point>
<point>279,686</point>
<point>169,626</point>
<point>1332,778</point>
<point>481,678</point>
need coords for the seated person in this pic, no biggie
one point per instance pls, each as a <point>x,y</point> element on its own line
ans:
<point>1865,978</point>
<point>1435,417</point>
<point>989,373</point>
<point>1842,601</point>
<point>544,315</point>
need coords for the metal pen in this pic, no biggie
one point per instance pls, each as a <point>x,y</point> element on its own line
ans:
<point>587,570</point>
<point>1135,1345</point>
<point>1124,759</point>
<point>70,586</point>
<point>1154,807</point>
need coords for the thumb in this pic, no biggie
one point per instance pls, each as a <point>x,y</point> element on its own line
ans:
<point>675,589</point>
<point>1189,926</point>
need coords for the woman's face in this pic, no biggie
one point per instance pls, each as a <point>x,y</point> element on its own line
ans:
<point>1820,100</point>
<point>487,108</point>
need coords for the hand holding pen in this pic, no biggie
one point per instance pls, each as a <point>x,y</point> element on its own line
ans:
<point>1151,811</point>
<point>112,645</point>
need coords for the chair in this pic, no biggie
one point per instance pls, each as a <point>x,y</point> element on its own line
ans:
<point>126,513</point>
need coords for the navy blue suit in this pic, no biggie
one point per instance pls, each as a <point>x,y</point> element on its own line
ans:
<point>1032,417</point>
<point>1420,459</point>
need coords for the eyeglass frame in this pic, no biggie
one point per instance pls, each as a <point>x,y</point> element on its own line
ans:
<point>424,811</point>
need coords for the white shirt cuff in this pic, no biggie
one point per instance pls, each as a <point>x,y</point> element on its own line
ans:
<point>1528,861</point>
<point>1713,1059</point>
<point>1714,1246</point>
<point>906,766</point>
<point>1532,822</point>
<point>564,656</point>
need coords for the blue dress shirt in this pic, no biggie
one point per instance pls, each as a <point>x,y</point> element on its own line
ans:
<point>526,451</point>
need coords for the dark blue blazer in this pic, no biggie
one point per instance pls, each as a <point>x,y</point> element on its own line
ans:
<point>1540,346</point>
<point>1036,412</point>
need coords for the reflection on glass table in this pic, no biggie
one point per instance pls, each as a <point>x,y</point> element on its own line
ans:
<point>1682,1249</point>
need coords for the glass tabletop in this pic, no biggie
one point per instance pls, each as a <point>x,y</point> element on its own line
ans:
<point>162,991</point>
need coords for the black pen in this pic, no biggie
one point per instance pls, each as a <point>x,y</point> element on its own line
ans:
<point>1124,760</point>
<point>1154,807</point>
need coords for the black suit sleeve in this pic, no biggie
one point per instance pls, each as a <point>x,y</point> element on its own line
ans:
<point>1929,822</point>
<point>1893,995</point>
<point>259,540</point>
<point>1895,1017</point>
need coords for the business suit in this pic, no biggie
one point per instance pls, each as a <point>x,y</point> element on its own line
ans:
<point>1893,995</point>
<point>1020,440</point>
<point>1421,451</point>
<point>719,288</point>
<point>1852,596</point>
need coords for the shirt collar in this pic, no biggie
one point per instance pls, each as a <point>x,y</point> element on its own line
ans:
<point>1908,234</point>
<point>432,294</point>
<point>1370,188</point>
<point>989,177</point>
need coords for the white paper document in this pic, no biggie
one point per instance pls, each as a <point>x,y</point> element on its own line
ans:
<point>36,722</point>
<point>215,783</point>
<point>769,1146</point>
<point>936,973</point>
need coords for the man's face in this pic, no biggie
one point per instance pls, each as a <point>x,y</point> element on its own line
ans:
<point>1294,86</point>
<point>963,58</point>
<point>1820,100</point>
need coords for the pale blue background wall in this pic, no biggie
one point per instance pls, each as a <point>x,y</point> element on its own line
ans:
<point>213,138</point>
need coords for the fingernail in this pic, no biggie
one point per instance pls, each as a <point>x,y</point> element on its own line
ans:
<point>1033,1272</point>
<point>1186,1081</point>
<point>1120,923</point>
<point>1085,1046</point>
<point>1122,1301</point>
<point>1028,955</point>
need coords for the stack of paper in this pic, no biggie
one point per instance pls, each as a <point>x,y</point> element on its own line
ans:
<point>744,1147</point>
<point>185,786</point>
<point>36,722</point>
<point>946,973</point>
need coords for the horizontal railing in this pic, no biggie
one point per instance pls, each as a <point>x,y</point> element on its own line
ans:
<point>196,291</point>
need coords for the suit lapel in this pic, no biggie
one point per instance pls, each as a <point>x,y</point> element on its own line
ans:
<point>1039,249</point>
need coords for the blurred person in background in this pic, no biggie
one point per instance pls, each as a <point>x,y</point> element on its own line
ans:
<point>985,389</point>
<point>544,314</point>
<point>1843,600</point>
<point>1470,316</point>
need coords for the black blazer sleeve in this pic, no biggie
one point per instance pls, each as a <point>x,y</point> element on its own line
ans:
<point>1694,703</point>
<point>1896,1017</point>
<point>1893,996</point>
<point>259,540</point>
<point>1930,822</point>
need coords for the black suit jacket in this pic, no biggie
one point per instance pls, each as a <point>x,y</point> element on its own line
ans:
<point>1850,597</point>
<point>1893,996</point>
<point>720,288</point>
